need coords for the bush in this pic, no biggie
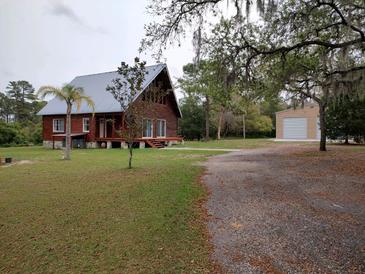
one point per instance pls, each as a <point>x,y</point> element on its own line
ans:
<point>36,136</point>
<point>14,134</point>
<point>8,133</point>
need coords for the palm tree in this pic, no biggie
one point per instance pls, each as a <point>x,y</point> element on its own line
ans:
<point>71,95</point>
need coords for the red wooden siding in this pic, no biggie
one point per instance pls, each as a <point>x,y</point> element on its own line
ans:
<point>76,126</point>
<point>157,111</point>
<point>167,110</point>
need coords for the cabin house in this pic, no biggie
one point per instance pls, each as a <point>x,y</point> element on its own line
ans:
<point>100,130</point>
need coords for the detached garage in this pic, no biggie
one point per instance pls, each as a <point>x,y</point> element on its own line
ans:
<point>301,123</point>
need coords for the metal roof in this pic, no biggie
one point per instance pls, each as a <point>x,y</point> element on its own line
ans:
<point>306,105</point>
<point>94,85</point>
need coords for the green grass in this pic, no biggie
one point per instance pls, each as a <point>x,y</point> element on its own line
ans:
<point>351,147</point>
<point>231,143</point>
<point>359,148</point>
<point>91,214</point>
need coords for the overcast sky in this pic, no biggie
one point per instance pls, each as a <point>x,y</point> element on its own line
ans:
<point>49,42</point>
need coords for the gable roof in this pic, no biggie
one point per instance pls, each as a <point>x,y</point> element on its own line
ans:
<point>306,105</point>
<point>94,85</point>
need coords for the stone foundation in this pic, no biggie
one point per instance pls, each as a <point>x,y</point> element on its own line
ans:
<point>108,144</point>
<point>91,145</point>
<point>171,143</point>
<point>49,144</point>
<point>123,145</point>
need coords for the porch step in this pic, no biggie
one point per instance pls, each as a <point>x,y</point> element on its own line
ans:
<point>155,143</point>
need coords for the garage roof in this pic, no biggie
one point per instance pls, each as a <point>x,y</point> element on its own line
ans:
<point>299,107</point>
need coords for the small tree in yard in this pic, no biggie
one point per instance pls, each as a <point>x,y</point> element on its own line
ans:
<point>126,91</point>
<point>71,95</point>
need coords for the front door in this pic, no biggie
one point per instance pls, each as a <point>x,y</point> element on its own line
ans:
<point>102,128</point>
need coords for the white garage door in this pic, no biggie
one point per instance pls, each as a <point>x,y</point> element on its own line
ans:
<point>295,128</point>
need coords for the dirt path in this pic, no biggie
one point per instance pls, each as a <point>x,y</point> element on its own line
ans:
<point>287,209</point>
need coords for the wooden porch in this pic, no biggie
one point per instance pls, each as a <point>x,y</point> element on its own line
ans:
<point>106,133</point>
<point>149,142</point>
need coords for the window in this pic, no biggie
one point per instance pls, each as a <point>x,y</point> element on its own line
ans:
<point>58,125</point>
<point>147,128</point>
<point>86,124</point>
<point>161,128</point>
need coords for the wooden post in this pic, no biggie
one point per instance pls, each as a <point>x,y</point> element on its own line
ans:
<point>123,122</point>
<point>243,126</point>
<point>113,127</point>
<point>105,127</point>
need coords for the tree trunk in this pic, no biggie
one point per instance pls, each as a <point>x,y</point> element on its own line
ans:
<point>130,147</point>
<point>347,139</point>
<point>322,123</point>
<point>207,117</point>
<point>68,133</point>
<point>220,120</point>
<point>244,126</point>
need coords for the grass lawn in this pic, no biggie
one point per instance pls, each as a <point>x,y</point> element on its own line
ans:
<point>240,143</point>
<point>230,143</point>
<point>91,214</point>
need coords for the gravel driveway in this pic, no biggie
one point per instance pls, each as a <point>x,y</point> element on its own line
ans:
<point>287,209</point>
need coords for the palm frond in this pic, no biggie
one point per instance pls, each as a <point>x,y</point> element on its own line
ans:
<point>50,90</point>
<point>88,101</point>
<point>68,93</point>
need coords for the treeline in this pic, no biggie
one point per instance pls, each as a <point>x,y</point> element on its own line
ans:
<point>19,124</point>
<point>259,121</point>
<point>212,109</point>
<point>301,50</point>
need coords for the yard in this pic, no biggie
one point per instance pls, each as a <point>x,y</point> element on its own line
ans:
<point>229,143</point>
<point>91,214</point>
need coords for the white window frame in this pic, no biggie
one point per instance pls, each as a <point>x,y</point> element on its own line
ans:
<point>157,128</point>
<point>83,124</point>
<point>147,137</point>
<point>53,125</point>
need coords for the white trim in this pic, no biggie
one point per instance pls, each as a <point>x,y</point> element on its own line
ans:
<point>53,125</point>
<point>173,91</point>
<point>83,124</point>
<point>157,136</point>
<point>147,137</point>
<point>103,128</point>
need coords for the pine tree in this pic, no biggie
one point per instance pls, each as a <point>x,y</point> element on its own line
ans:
<point>22,94</point>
